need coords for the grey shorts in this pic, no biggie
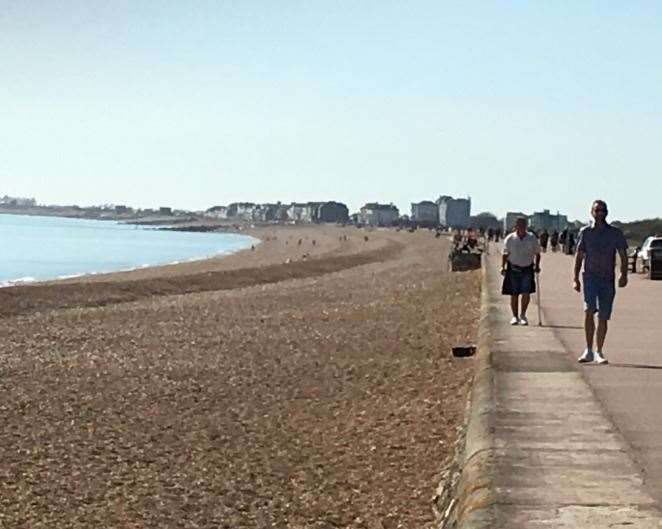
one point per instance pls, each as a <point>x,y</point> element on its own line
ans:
<point>599,294</point>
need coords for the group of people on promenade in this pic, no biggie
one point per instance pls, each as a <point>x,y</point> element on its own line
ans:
<point>595,261</point>
<point>556,240</point>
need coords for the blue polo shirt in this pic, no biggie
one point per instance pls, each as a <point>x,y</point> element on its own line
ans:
<point>600,246</point>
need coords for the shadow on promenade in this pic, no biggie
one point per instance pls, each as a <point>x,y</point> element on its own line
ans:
<point>634,366</point>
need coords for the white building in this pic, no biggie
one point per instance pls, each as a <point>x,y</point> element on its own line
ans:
<point>300,212</point>
<point>217,212</point>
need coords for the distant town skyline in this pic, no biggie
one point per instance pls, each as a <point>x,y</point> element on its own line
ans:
<point>525,106</point>
<point>404,210</point>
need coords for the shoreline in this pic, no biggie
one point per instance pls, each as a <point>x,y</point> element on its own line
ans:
<point>158,225</point>
<point>26,281</point>
<point>270,261</point>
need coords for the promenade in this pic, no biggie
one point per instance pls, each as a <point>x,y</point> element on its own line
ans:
<point>552,443</point>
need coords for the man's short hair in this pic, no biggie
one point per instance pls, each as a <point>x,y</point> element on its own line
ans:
<point>600,202</point>
<point>522,219</point>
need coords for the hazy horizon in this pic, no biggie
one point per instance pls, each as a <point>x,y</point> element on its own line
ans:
<point>190,106</point>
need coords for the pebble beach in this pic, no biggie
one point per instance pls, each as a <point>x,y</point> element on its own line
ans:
<point>306,383</point>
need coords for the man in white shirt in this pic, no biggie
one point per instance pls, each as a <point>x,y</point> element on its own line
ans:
<point>520,263</point>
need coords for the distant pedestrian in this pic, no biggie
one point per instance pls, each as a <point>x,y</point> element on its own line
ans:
<point>596,250</point>
<point>571,244</point>
<point>554,241</point>
<point>520,263</point>
<point>544,239</point>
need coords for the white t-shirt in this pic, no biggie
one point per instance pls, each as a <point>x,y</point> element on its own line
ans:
<point>521,252</point>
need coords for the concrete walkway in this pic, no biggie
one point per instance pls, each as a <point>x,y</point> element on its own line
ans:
<point>630,389</point>
<point>558,458</point>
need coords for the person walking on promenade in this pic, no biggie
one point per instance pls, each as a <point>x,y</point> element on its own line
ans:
<point>544,239</point>
<point>571,243</point>
<point>554,241</point>
<point>520,263</point>
<point>596,249</point>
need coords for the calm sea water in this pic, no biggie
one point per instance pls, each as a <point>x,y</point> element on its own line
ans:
<point>39,248</point>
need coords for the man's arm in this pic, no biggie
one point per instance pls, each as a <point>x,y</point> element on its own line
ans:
<point>623,280</point>
<point>579,258</point>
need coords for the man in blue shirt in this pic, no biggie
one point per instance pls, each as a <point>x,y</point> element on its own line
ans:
<point>596,249</point>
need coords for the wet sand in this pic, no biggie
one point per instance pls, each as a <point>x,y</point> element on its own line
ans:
<point>264,389</point>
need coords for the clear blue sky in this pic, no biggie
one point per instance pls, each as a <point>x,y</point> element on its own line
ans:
<point>521,105</point>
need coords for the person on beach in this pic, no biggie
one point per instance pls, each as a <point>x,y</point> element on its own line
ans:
<point>520,263</point>
<point>596,249</point>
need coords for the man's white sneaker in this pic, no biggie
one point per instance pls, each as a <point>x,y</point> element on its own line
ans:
<point>586,357</point>
<point>514,320</point>
<point>600,359</point>
<point>523,320</point>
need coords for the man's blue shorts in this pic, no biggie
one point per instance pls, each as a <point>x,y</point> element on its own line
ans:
<point>599,294</point>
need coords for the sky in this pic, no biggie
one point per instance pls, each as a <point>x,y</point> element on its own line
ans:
<point>519,105</point>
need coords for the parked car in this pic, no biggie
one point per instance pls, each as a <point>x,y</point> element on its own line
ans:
<point>654,241</point>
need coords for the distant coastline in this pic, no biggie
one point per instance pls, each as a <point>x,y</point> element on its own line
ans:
<point>43,248</point>
<point>178,221</point>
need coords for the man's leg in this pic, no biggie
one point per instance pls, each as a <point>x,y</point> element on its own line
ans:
<point>514,304</point>
<point>602,333</point>
<point>525,303</point>
<point>589,329</point>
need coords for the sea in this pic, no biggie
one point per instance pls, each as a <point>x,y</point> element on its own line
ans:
<point>34,248</point>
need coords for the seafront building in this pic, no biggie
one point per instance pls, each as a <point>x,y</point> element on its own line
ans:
<point>332,212</point>
<point>241,210</point>
<point>217,212</point>
<point>425,213</point>
<point>305,212</point>
<point>375,214</point>
<point>454,212</point>
<point>544,220</point>
<point>539,220</point>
